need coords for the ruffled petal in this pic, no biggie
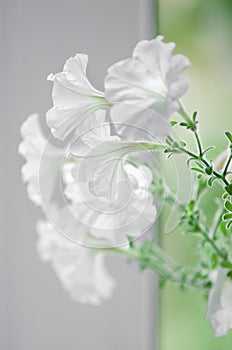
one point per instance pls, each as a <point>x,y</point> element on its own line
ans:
<point>43,161</point>
<point>74,97</point>
<point>80,270</point>
<point>145,79</point>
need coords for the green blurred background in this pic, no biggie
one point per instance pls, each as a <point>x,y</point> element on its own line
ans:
<point>202,30</point>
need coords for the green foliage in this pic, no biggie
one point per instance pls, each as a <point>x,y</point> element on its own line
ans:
<point>213,237</point>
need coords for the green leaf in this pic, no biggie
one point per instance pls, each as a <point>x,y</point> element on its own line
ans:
<point>228,226</point>
<point>162,282</point>
<point>223,228</point>
<point>198,170</point>
<point>209,170</point>
<point>228,205</point>
<point>191,205</point>
<point>208,149</point>
<point>226,264</point>
<point>209,284</point>
<point>225,195</point>
<point>214,261</point>
<point>227,216</point>
<point>229,136</point>
<point>228,188</point>
<point>131,242</point>
<point>173,123</point>
<point>211,180</point>
<point>199,164</point>
<point>194,116</point>
<point>183,144</point>
<point>169,140</point>
<point>183,124</point>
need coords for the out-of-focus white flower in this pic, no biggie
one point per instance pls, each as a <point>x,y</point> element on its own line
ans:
<point>81,270</point>
<point>149,79</point>
<point>74,97</point>
<point>130,212</point>
<point>102,156</point>
<point>42,160</point>
<point>220,303</point>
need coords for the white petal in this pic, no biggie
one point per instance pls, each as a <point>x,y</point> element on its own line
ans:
<point>219,308</point>
<point>80,270</point>
<point>144,80</point>
<point>42,161</point>
<point>63,121</point>
<point>74,97</point>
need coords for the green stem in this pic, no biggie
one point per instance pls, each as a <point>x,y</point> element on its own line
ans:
<point>227,165</point>
<point>200,157</point>
<point>198,140</point>
<point>204,161</point>
<point>212,243</point>
<point>155,263</point>
<point>216,222</point>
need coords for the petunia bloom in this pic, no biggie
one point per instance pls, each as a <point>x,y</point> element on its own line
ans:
<point>149,79</point>
<point>130,212</point>
<point>74,97</point>
<point>220,304</point>
<point>81,270</point>
<point>102,156</point>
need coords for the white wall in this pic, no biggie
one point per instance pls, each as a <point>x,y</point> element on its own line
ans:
<point>36,38</point>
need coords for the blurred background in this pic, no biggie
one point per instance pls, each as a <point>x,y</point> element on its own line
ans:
<point>36,38</point>
<point>203,32</point>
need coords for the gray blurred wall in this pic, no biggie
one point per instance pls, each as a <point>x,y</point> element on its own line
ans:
<point>36,38</point>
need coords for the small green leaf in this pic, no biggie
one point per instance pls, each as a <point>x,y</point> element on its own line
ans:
<point>208,149</point>
<point>173,123</point>
<point>225,195</point>
<point>209,170</point>
<point>209,284</point>
<point>131,242</point>
<point>228,205</point>
<point>183,144</point>
<point>194,116</point>
<point>214,261</point>
<point>211,180</point>
<point>227,216</point>
<point>226,264</point>
<point>183,124</point>
<point>228,226</point>
<point>191,205</point>
<point>162,282</point>
<point>199,165</point>
<point>228,188</point>
<point>198,170</point>
<point>223,228</point>
<point>229,136</point>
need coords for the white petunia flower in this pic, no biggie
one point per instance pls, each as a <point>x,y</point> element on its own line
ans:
<point>149,79</point>
<point>220,304</point>
<point>74,97</point>
<point>81,270</point>
<point>102,156</point>
<point>130,212</point>
<point>42,161</point>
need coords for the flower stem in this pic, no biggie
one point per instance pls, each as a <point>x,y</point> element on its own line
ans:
<point>161,263</point>
<point>227,165</point>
